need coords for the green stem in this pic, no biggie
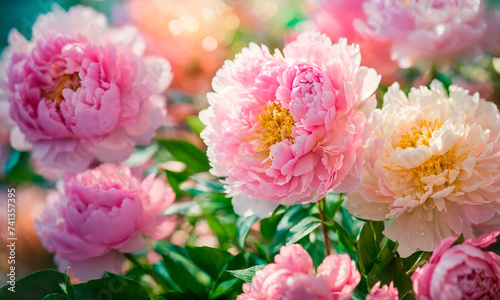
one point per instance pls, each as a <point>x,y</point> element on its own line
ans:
<point>322,208</point>
<point>421,261</point>
<point>433,73</point>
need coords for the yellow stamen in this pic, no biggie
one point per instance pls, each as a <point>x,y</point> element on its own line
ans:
<point>56,95</point>
<point>276,123</point>
<point>419,135</point>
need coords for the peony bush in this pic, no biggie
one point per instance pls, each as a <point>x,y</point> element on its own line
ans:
<point>359,158</point>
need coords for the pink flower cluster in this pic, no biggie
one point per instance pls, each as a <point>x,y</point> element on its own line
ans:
<point>460,271</point>
<point>291,277</point>
<point>289,128</point>
<point>82,91</point>
<point>100,213</point>
<point>433,30</point>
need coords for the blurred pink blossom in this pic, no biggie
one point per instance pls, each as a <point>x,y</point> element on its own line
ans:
<point>289,128</point>
<point>460,272</point>
<point>99,214</point>
<point>433,30</point>
<point>292,277</point>
<point>81,91</point>
<point>338,19</point>
<point>483,87</point>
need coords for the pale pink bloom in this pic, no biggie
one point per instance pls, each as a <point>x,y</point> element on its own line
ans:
<point>81,91</point>
<point>341,274</point>
<point>460,272</point>
<point>99,214</point>
<point>206,236</point>
<point>338,18</point>
<point>433,166</point>
<point>433,30</point>
<point>479,84</point>
<point>289,129</point>
<point>291,277</point>
<point>384,293</point>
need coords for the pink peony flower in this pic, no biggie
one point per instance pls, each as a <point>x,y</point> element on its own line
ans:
<point>81,91</point>
<point>384,293</point>
<point>433,166</point>
<point>433,30</point>
<point>101,213</point>
<point>460,272</point>
<point>338,18</point>
<point>289,129</point>
<point>291,277</point>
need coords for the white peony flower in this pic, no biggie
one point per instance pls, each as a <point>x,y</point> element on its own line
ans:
<point>433,164</point>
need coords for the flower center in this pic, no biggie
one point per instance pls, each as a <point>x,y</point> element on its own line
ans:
<point>420,135</point>
<point>276,123</point>
<point>71,81</point>
<point>434,166</point>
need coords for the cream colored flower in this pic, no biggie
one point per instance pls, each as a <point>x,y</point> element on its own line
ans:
<point>433,164</point>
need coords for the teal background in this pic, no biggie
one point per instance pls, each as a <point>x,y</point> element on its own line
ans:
<point>21,14</point>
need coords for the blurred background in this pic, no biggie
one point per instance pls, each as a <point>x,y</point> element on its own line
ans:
<point>195,36</point>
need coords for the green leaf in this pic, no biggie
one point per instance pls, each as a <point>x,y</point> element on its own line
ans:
<point>110,287</point>
<point>21,171</point>
<point>350,224</point>
<point>54,296</point>
<point>394,271</point>
<point>292,216</point>
<point>268,226</point>
<point>195,123</point>
<point>185,280</point>
<point>415,260</point>
<point>177,295</point>
<point>410,295</point>
<point>141,155</point>
<point>225,232</point>
<point>195,159</point>
<point>459,240</point>
<point>244,224</point>
<point>210,260</point>
<point>175,179</point>
<point>333,202</point>
<point>67,286</point>
<point>344,238</point>
<point>36,286</point>
<point>238,262</point>
<point>369,241</point>
<point>445,80</point>
<point>247,274</point>
<point>262,251</point>
<point>12,161</point>
<point>189,209</point>
<point>301,229</point>
<point>227,288</point>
